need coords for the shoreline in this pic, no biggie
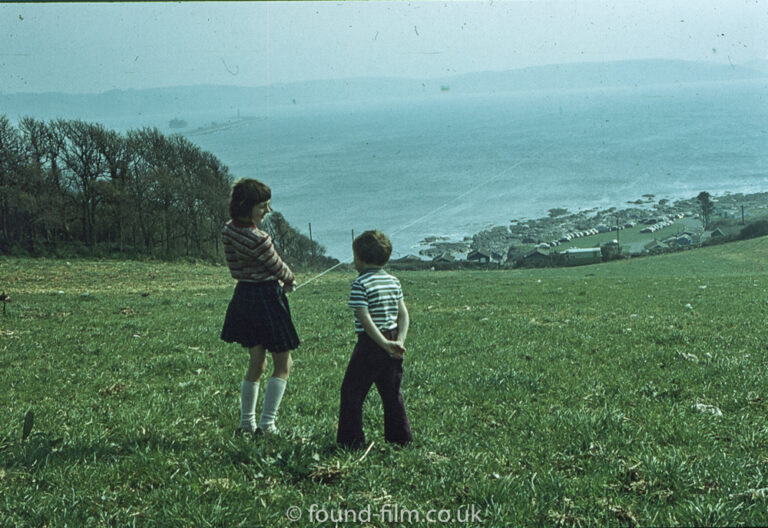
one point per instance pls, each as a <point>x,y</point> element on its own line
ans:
<point>552,228</point>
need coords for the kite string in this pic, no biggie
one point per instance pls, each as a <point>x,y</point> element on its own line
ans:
<point>321,274</point>
<point>429,214</point>
<point>459,197</point>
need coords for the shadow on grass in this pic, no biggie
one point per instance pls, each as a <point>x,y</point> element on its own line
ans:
<point>292,458</point>
<point>41,450</point>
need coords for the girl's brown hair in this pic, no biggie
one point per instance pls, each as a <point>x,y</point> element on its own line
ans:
<point>245,194</point>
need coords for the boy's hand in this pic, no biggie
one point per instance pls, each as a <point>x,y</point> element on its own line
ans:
<point>395,349</point>
<point>289,287</point>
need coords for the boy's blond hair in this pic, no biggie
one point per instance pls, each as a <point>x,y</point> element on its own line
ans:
<point>372,247</point>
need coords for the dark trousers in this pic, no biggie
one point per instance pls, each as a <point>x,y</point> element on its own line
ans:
<point>370,364</point>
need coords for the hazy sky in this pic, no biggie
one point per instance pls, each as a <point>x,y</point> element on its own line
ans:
<point>86,47</point>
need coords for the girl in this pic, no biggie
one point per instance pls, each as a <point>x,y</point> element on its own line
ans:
<point>258,316</point>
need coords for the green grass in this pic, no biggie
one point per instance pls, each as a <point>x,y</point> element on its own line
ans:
<point>540,397</point>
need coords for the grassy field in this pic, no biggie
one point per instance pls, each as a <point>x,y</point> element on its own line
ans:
<point>629,393</point>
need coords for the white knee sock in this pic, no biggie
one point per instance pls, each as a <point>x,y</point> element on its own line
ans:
<point>272,397</point>
<point>249,393</point>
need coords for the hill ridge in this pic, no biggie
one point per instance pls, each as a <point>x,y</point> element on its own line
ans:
<point>231,98</point>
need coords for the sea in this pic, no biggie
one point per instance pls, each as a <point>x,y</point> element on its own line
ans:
<point>452,165</point>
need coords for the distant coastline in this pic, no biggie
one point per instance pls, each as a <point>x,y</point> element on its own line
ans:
<point>135,104</point>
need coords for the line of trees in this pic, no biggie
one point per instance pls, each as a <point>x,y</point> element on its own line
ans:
<point>70,183</point>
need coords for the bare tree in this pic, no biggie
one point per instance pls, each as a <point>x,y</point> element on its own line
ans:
<point>112,148</point>
<point>85,169</point>
<point>141,147</point>
<point>43,147</point>
<point>10,164</point>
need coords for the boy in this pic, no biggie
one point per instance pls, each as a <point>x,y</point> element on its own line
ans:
<point>381,325</point>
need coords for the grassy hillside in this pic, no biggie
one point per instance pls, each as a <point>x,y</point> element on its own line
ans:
<point>624,393</point>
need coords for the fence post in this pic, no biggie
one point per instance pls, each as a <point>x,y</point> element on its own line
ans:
<point>311,242</point>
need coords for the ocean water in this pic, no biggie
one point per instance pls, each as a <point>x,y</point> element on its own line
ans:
<point>456,164</point>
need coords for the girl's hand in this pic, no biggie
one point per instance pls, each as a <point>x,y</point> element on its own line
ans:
<point>290,287</point>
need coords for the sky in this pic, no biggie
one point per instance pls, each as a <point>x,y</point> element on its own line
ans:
<point>95,47</point>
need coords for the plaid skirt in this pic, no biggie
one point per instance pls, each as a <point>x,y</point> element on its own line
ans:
<point>258,314</point>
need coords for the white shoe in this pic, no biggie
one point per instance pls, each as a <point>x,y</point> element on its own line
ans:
<point>267,431</point>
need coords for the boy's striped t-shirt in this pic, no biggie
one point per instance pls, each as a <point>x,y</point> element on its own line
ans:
<point>380,293</point>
